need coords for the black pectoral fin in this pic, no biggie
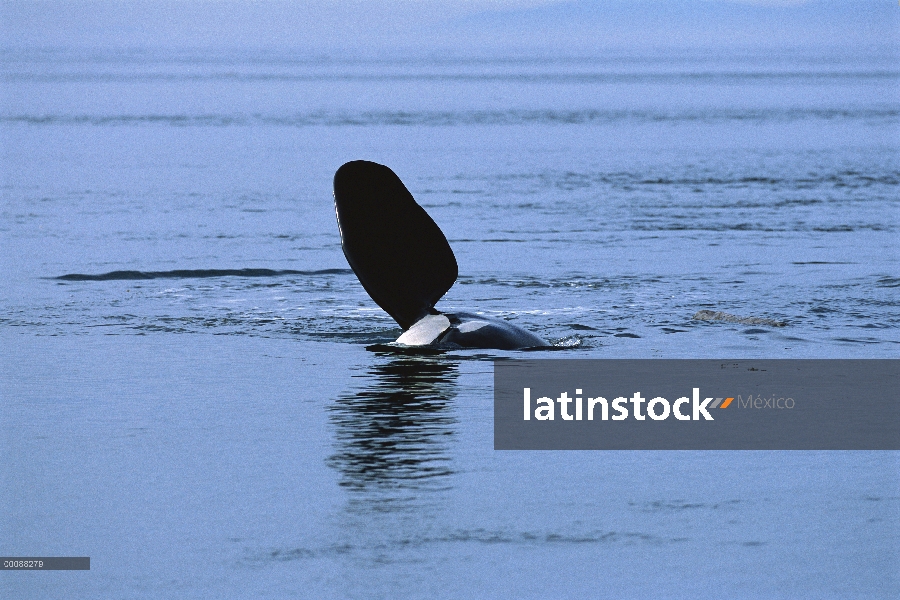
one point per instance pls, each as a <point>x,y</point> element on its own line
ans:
<point>397,251</point>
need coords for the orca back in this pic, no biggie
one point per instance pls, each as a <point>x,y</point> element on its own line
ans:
<point>397,251</point>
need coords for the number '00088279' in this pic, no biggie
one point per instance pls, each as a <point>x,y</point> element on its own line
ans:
<point>20,564</point>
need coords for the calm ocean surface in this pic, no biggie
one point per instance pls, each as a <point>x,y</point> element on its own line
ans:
<point>210,423</point>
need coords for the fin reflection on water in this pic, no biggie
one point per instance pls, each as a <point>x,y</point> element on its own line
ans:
<point>394,433</point>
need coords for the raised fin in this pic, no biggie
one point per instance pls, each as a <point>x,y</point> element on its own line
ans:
<point>399,254</point>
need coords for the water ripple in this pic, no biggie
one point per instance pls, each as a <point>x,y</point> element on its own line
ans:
<point>196,274</point>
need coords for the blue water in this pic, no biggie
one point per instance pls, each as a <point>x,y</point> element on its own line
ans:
<point>210,423</point>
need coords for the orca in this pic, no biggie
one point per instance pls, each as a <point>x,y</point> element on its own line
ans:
<point>404,262</point>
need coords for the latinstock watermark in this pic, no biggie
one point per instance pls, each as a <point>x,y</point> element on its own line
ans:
<point>544,407</point>
<point>658,404</point>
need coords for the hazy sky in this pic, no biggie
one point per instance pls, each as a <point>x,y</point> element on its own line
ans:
<point>462,25</point>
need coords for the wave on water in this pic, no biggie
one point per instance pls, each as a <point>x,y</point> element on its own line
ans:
<point>477,536</point>
<point>459,117</point>
<point>516,72</point>
<point>709,315</point>
<point>195,274</point>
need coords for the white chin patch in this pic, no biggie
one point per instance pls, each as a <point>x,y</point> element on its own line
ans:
<point>424,331</point>
<point>470,326</point>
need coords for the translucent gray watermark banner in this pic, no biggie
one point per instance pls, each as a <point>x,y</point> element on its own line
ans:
<point>575,404</point>
<point>45,563</point>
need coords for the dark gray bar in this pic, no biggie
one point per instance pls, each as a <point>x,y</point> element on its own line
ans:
<point>776,404</point>
<point>45,563</point>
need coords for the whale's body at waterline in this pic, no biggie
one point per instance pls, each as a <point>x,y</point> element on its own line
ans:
<point>468,330</point>
<point>403,260</point>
